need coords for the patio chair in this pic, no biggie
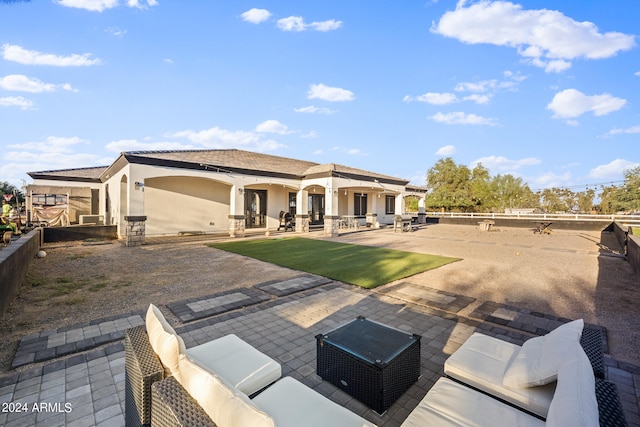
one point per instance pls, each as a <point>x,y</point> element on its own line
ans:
<point>523,376</point>
<point>579,400</point>
<point>153,351</point>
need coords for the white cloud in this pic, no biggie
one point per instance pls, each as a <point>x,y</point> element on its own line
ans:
<point>434,98</point>
<point>141,4</point>
<point>544,38</point>
<point>571,103</point>
<point>16,101</point>
<point>216,137</point>
<point>134,145</point>
<point>351,151</point>
<point>618,131</point>
<point>255,15</point>
<point>296,23</point>
<point>51,144</point>
<point>331,94</point>
<point>613,169</point>
<point>478,99</point>
<point>49,154</point>
<point>460,118</point>
<point>311,134</point>
<point>550,180</point>
<point>311,109</point>
<point>447,150</point>
<point>637,73</point>
<point>20,83</point>
<point>500,164</point>
<point>273,126</point>
<point>116,32</point>
<point>328,25</point>
<point>92,5</point>
<point>102,5</point>
<point>18,54</point>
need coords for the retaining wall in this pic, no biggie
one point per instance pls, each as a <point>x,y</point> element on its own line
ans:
<point>633,251</point>
<point>14,263</point>
<point>556,224</point>
<point>79,232</point>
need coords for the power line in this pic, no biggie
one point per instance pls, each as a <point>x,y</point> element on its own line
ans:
<point>586,186</point>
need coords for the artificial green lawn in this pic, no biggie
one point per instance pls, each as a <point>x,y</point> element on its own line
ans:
<point>364,266</point>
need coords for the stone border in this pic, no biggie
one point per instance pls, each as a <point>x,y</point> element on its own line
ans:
<point>282,288</point>
<point>55,343</point>
<point>186,312</point>
<point>449,301</point>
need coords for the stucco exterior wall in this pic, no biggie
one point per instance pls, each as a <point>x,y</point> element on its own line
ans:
<point>180,203</point>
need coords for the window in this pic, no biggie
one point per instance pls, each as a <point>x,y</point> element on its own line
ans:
<point>389,205</point>
<point>292,204</point>
<point>360,204</point>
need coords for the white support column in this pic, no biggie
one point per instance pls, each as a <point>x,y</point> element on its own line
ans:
<point>331,217</point>
<point>236,211</point>
<point>302,211</point>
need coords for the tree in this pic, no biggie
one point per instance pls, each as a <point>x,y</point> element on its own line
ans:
<point>585,200</point>
<point>7,188</point>
<point>450,186</point>
<point>629,193</point>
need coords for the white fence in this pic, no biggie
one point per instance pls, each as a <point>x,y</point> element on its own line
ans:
<point>633,220</point>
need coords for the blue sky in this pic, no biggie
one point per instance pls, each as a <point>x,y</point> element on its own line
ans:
<point>548,91</point>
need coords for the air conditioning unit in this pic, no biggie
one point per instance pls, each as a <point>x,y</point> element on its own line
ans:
<point>91,219</point>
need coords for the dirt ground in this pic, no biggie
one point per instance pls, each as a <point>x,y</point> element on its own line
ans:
<point>568,274</point>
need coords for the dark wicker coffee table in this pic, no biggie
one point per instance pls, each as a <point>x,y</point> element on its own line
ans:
<point>372,362</point>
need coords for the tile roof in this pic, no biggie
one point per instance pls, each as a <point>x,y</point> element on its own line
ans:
<point>225,160</point>
<point>78,174</point>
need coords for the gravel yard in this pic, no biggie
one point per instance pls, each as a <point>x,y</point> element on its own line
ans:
<point>568,274</point>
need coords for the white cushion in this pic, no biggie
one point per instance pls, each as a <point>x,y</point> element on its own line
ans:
<point>293,404</point>
<point>240,364</point>
<point>482,361</point>
<point>575,403</point>
<point>226,406</point>
<point>449,403</point>
<point>163,339</point>
<point>538,361</point>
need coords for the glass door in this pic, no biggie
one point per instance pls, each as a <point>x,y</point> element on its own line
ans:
<point>316,209</point>
<point>255,206</point>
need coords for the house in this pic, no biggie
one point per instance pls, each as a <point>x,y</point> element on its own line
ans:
<point>212,191</point>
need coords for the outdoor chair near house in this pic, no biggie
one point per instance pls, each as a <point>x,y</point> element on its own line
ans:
<point>286,221</point>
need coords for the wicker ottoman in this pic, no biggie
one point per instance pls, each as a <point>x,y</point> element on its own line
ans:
<point>372,362</point>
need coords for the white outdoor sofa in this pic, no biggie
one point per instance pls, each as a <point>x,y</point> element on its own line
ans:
<point>548,381</point>
<point>211,384</point>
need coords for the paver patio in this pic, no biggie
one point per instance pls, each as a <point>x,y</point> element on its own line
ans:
<point>87,388</point>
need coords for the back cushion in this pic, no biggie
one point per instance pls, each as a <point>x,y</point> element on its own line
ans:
<point>539,359</point>
<point>163,339</point>
<point>574,403</point>
<point>225,405</point>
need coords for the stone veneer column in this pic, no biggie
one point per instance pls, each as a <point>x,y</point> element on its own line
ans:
<point>302,223</point>
<point>331,225</point>
<point>134,230</point>
<point>236,225</point>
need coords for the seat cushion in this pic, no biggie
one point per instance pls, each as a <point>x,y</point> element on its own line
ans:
<point>539,359</point>
<point>292,404</point>
<point>482,361</point>
<point>163,339</point>
<point>575,403</point>
<point>225,405</point>
<point>240,364</point>
<point>449,403</point>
